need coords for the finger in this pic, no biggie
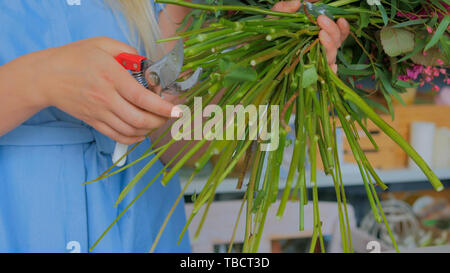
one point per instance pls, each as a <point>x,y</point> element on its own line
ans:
<point>329,45</point>
<point>112,46</point>
<point>113,134</point>
<point>344,26</point>
<point>331,27</point>
<point>141,97</point>
<point>334,67</point>
<point>287,6</point>
<point>135,117</point>
<point>158,90</point>
<point>115,122</point>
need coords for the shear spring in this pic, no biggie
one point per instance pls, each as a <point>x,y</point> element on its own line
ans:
<point>139,76</point>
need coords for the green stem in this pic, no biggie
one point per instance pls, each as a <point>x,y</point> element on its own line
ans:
<point>175,204</point>
<point>350,95</point>
<point>214,8</point>
<point>342,3</point>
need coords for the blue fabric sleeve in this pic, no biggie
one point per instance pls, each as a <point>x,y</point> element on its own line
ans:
<point>158,8</point>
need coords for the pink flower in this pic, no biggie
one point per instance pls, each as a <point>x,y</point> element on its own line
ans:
<point>429,29</point>
<point>436,88</point>
<point>425,53</point>
<point>414,72</point>
<point>446,6</point>
<point>411,74</point>
<point>429,12</point>
<point>422,83</point>
<point>428,71</point>
<point>428,79</point>
<point>407,15</point>
<point>440,62</point>
<point>443,71</point>
<point>403,78</point>
<point>435,72</point>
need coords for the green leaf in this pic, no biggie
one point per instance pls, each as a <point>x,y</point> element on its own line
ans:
<point>389,103</point>
<point>420,45</point>
<point>393,9</point>
<point>383,14</point>
<point>432,55</point>
<point>225,64</point>
<point>439,5</point>
<point>385,80</point>
<point>234,73</point>
<point>358,66</point>
<point>439,32</point>
<point>445,45</point>
<point>433,20</point>
<point>375,105</point>
<point>406,84</point>
<point>309,77</point>
<point>397,41</point>
<point>410,23</point>
<point>363,22</point>
<point>383,76</point>
<point>353,72</point>
<point>240,73</point>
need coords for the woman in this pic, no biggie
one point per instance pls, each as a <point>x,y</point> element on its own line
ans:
<point>64,101</point>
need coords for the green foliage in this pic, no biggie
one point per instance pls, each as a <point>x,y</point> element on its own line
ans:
<point>397,41</point>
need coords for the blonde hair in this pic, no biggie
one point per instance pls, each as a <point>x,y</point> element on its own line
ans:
<point>143,30</point>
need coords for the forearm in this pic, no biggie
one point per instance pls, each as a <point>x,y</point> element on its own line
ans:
<point>169,21</point>
<point>18,100</point>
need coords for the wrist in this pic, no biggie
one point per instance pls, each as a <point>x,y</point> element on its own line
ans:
<point>25,77</point>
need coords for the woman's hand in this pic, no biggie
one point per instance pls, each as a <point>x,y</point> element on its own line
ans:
<point>332,34</point>
<point>84,80</point>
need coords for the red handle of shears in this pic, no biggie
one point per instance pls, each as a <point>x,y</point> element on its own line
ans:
<point>131,61</point>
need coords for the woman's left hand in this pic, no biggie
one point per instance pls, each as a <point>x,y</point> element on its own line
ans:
<point>332,35</point>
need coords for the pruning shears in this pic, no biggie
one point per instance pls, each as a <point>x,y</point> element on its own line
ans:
<point>164,72</point>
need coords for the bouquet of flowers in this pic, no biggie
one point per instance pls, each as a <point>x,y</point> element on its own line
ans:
<point>271,65</point>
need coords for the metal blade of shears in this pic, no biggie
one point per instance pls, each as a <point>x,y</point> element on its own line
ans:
<point>178,87</point>
<point>169,67</point>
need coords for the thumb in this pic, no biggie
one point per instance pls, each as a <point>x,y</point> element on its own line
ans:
<point>112,46</point>
<point>287,6</point>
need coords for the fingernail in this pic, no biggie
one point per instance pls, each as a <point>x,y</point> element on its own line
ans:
<point>335,68</point>
<point>176,112</point>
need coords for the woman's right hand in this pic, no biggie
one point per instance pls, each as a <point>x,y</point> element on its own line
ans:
<point>84,80</point>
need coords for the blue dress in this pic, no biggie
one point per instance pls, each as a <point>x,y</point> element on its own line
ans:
<point>43,205</point>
